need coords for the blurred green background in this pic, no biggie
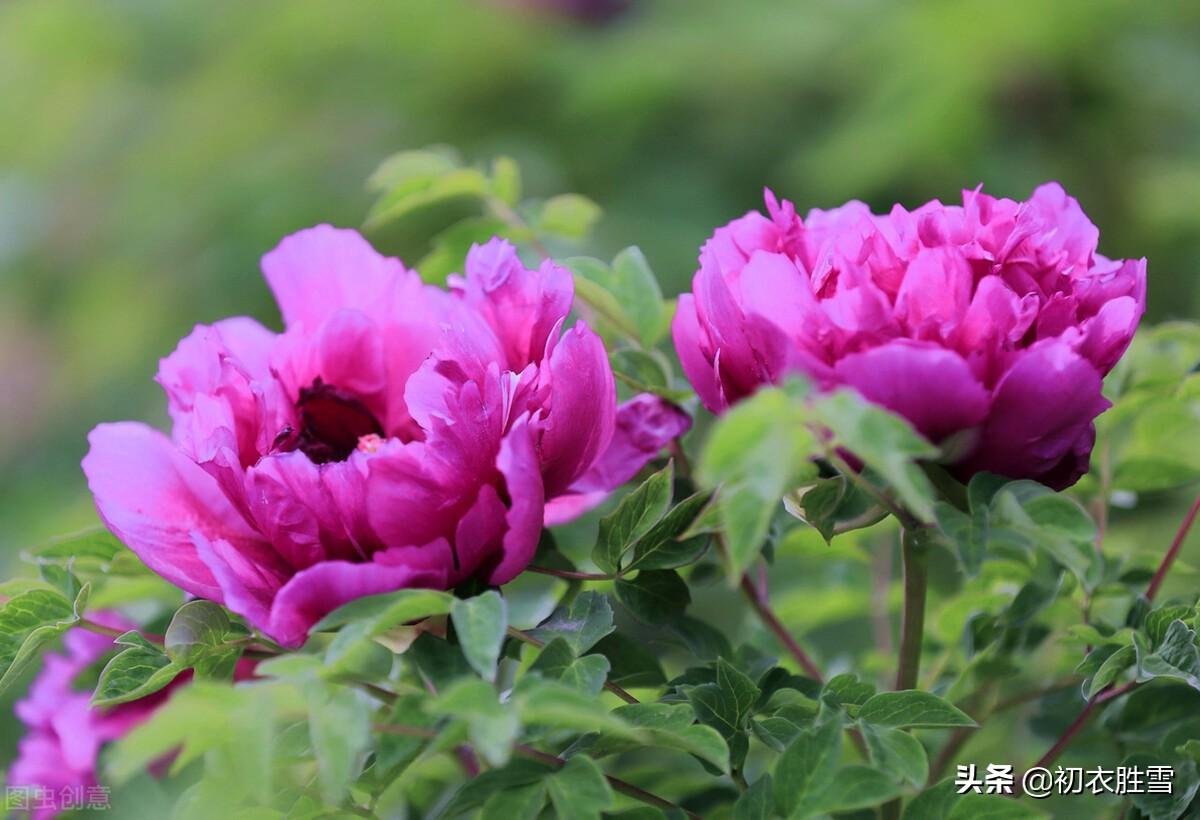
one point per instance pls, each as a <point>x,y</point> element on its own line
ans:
<point>151,152</point>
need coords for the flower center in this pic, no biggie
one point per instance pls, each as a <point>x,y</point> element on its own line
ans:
<point>331,423</point>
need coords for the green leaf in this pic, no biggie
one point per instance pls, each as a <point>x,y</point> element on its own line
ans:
<point>727,703</point>
<point>912,709</point>
<point>1113,665</point>
<point>1050,522</point>
<point>97,543</point>
<point>506,180</point>
<point>849,690</point>
<point>137,671</point>
<point>590,278</point>
<point>757,802</point>
<point>579,790</point>
<point>388,610</point>
<point>567,215</point>
<point>934,803</point>
<point>1158,622</point>
<point>354,655</point>
<point>634,516</point>
<point>818,504</point>
<point>518,774</point>
<point>515,803</point>
<point>883,441</point>
<point>29,622</point>
<point>1184,785</point>
<point>554,705</point>
<point>404,166</point>
<point>480,623</point>
<point>756,452</point>
<point>631,664</point>
<point>418,193</point>
<point>668,726</point>
<point>968,532</point>
<point>491,726</point>
<point>972,806</point>
<point>61,578</point>
<point>662,547</point>
<point>1177,657</point>
<point>897,754</point>
<point>636,287</point>
<point>587,619</point>
<point>339,725</point>
<point>806,768</point>
<point>198,636</point>
<point>394,752</point>
<point>557,662</point>
<point>852,787</point>
<point>654,596</point>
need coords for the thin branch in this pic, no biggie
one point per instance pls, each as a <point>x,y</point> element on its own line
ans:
<point>101,629</point>
<point>571,575</point>
<point>772,622</point>
<point>619,785</point>
<point>1173,552</point>
<point>525,637</point>
<point>1077,725</point>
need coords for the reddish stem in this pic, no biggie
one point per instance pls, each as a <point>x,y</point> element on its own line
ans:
<point>1077,725</point>
<point>569,574</point>
<point>780,631</point>
<point>1173,552</point>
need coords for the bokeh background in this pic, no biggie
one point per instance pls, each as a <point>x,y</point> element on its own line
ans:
<point>151,152</point>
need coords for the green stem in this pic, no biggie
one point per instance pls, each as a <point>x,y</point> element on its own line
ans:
<point>915,555</point>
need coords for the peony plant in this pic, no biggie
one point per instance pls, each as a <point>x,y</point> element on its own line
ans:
<point>448,545</point>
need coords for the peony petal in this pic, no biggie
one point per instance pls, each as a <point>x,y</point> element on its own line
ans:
<point>315,592</point>
<point>247,585</point>
<point>197,365</point>
<point>522,306</point>
<point>1042,412</point>
<point>1106,335</point>
<point>930,386</point>
<point>645,424</point>
<point>694,348</point>
<point>518,463</point>
<point>153,498</point>
<point>323,269</point>
<point>480,534</point>
<point>579,423</point>
<point>296,511</point>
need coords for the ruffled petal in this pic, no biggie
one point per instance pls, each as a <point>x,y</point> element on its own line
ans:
<point>315,592</point>
<point>578,423</point>
<point>645,424</point>
<point>1042,412</point>
<point>320,270</point>
<point>930,386</point>
<point>522,306</point>
<point>296,510</point>
<point>153,498</point>
<point>693,347</point>
<point>518,463</point>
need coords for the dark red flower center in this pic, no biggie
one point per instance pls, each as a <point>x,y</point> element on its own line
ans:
<point>331,423</point>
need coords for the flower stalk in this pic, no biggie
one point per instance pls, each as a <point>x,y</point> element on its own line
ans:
<point>914,551</point>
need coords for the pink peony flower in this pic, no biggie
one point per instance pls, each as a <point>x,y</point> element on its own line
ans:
<point>394,435</point>
<point>56,760</point>
<point>993,322</point>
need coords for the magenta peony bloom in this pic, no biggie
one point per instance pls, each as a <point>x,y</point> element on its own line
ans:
<point>56,760</point>
<point>394,435</point>
<point>993,322</point>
